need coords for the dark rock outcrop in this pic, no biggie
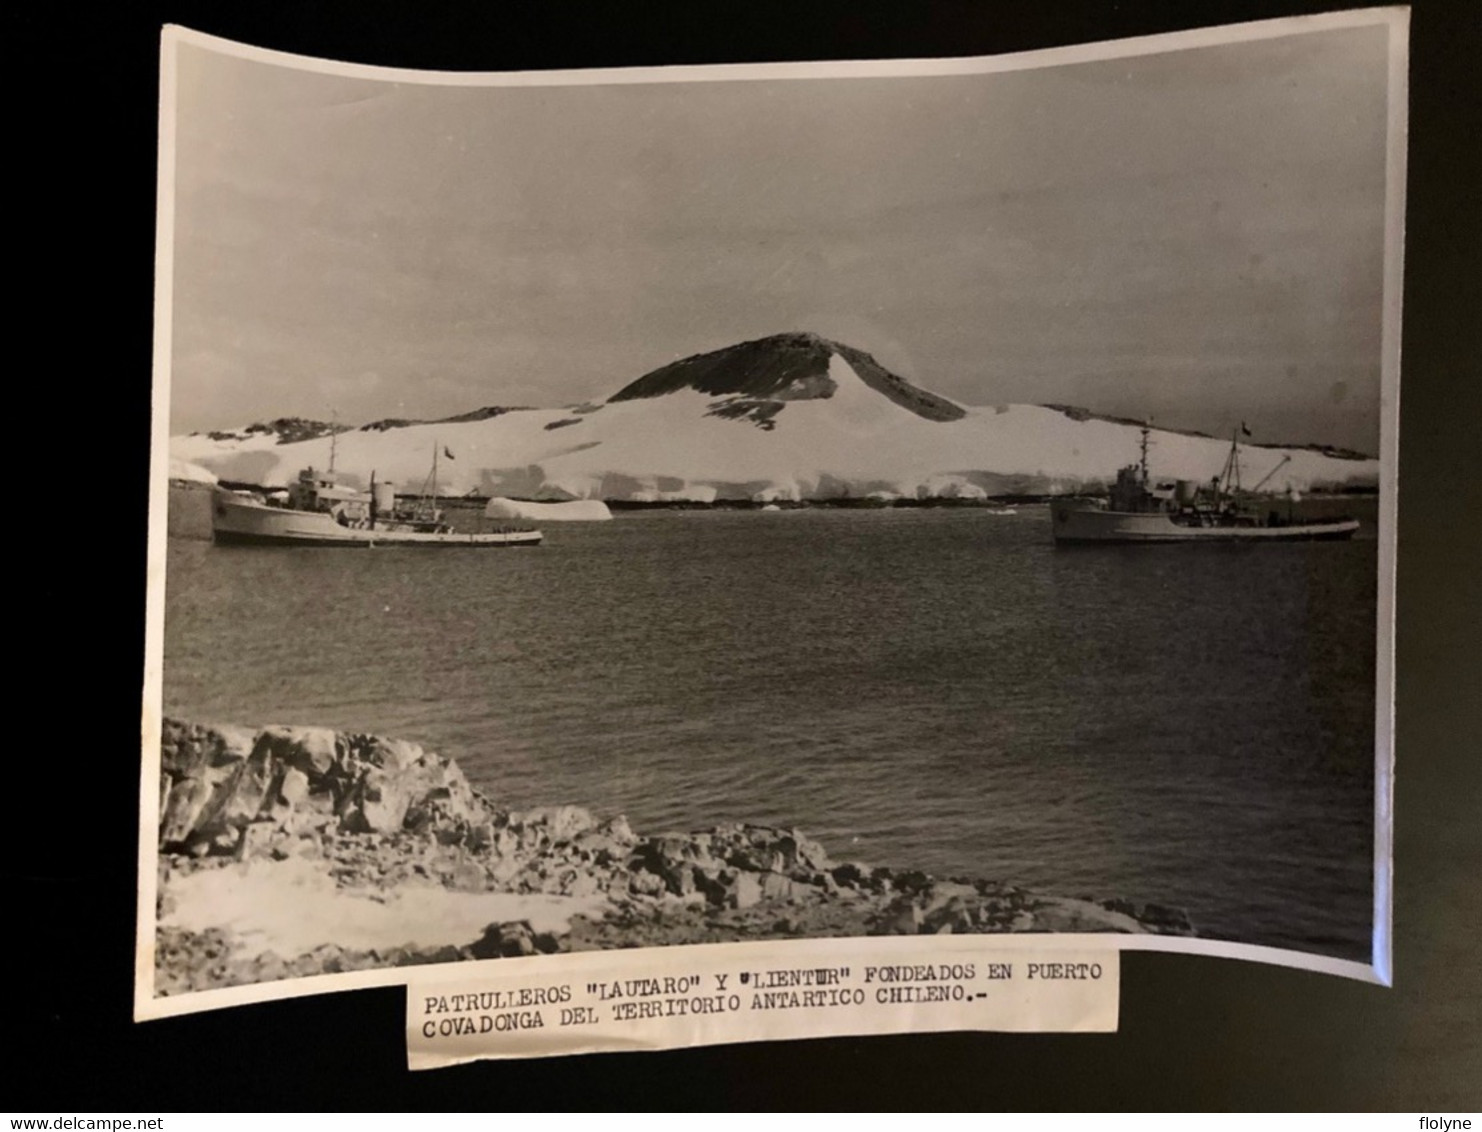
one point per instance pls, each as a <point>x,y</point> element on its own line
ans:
<point>217,782</point>
<point>760,376</point>
<point>286,430</point>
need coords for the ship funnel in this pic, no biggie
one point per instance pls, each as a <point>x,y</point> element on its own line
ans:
<point>1186,491</point>
<point>385,496</point>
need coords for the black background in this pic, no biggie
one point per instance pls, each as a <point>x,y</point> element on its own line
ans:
<point>1196,1033</point>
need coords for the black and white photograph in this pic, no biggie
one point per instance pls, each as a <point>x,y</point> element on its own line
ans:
<point>718,504</point>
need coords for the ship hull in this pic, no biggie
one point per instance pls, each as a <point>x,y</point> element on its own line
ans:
<point>237,521</point>
<point>1078,524</point>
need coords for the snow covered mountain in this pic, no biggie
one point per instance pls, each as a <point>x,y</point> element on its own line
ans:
<point>793,416</point>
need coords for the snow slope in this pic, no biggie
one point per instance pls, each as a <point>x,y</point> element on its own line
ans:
<point>826,424</point>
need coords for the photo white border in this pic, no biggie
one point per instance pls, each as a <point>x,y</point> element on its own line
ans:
<point>1379,971</point>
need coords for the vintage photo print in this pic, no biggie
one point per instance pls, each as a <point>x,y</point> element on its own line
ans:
<point>723,506</point>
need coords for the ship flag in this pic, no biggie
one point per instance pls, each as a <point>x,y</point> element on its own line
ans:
<point>448,452</point>
<point>1243,429</point>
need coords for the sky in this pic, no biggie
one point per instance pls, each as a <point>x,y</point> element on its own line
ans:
<point>1195,235</point>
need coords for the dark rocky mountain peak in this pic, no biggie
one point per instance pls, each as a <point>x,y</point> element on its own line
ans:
<point>760,376</point>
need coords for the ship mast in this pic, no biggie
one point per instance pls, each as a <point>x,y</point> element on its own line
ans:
<point>1231,473</point>
<point>1142,448</point>
<point>427,507</point>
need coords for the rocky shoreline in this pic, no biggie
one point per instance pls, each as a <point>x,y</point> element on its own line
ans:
<point>295,851</point>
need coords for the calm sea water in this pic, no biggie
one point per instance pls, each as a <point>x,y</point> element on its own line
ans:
<point>940,689</point>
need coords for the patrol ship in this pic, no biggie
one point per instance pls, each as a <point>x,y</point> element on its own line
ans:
<point>1141,510</point>
<point>318,511</point>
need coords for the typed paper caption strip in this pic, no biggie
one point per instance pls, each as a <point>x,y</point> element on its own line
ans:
<point>511,1010</point>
